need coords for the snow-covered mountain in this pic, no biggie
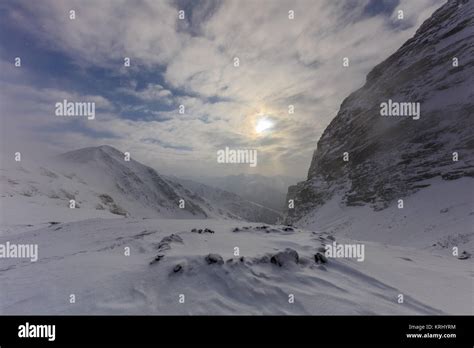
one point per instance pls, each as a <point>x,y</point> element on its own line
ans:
<point>203,260</point>
<point>137,188</point>
<point>227,201</point>
<point>366,162</point>
<point>103,184</point>
<point>265,190</point>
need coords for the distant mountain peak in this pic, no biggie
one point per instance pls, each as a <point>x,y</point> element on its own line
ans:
<point>91,153</point>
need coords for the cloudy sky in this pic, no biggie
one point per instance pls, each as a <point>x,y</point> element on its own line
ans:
<point>190,62</point>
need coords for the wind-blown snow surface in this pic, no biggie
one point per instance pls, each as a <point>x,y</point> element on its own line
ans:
<point>407,251</point>
<point>441,216</point>
<point>82,252</point>
<point>169,258</point>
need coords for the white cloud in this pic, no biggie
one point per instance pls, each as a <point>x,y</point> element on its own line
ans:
<point>282,62</point>
<point>105,31</point>
<point>153,92</point>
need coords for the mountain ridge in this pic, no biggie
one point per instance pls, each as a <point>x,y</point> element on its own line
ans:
<point>103,183</point>
<point>390,157</point>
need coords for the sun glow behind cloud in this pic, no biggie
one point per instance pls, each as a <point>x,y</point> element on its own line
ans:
<point>283,62</point>
<point>264,125</point>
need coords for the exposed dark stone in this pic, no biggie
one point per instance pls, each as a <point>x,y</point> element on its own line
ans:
<point>200,231</point>
<point>164,244</point>
<point>284,257</point>
<point>157,259</point>
<point>464,255</point>
<point>214,258</point>
<point>320,258</point>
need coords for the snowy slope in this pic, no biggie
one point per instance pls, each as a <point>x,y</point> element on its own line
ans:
<point>231,202</point>
<point>439,217</point>
<point>136,188</point>
<point>170,257</point>
<point>104,185</point>
<point>31,194</point>
<point>267,191</point>
<point>98,179</point>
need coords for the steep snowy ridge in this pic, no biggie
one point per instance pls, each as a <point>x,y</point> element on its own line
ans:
<point>130,182</point>
<point>103,184</point>
<point>394,157</point>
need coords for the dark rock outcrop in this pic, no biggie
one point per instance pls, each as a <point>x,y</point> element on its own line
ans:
<point>390,157</point>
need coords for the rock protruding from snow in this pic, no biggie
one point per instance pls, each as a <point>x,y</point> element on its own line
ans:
<point>93,249</point>
<point>164,244</point>
<point>464,255</point>
<point>214,258</point>
<point>320,258</point>
<point>285,257</point>
<point>201,230</point>
<point>157,259</point>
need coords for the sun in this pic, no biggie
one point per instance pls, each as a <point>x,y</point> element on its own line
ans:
<point>263,124</point>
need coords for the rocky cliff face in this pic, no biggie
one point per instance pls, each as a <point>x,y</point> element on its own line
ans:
<point>389,157</point>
